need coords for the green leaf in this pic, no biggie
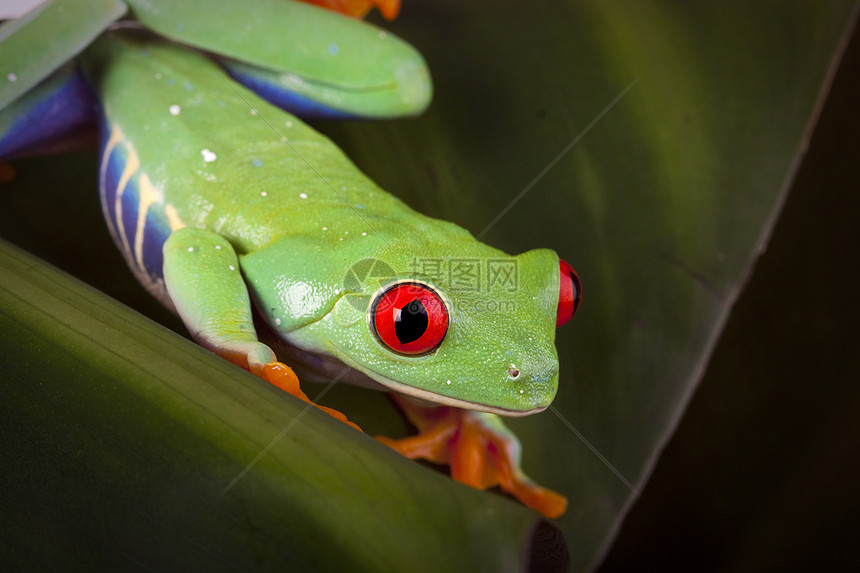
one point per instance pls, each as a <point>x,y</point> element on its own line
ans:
<point>144,447</point>
<point>662,204</point>
<point>38,43</point>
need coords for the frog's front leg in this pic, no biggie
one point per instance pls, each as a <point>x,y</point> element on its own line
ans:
<point>481,451</point>
<point>201,272</point>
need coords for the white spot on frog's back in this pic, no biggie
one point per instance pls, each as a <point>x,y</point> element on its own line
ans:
<point>12,77</point>
<point>175,109</point>
<point>208,155</point>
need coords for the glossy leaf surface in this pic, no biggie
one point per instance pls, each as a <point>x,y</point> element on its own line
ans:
<point>138,447</point>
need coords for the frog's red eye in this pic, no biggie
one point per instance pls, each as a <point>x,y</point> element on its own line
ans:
<point>409,318</point>
<point>569,293</point>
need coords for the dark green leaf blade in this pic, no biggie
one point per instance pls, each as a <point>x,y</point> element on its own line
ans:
<point>134,446</point>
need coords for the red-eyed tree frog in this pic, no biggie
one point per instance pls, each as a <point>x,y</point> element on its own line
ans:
<point>267,241</point>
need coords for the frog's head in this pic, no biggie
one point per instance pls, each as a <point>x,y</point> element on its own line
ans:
<point>476,331</point>
<point>481,346</point>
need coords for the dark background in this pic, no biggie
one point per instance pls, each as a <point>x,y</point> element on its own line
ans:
<point>763,472</point>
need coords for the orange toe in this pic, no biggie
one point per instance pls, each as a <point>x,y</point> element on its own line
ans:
<point>280,375</point>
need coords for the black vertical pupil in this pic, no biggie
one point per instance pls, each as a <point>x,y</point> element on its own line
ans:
<point>411,323</point>
<point>577,290</point>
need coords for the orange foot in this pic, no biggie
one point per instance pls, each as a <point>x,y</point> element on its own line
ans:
<point>359,8</point>
<point>481,451</point>
<point>282,376</point>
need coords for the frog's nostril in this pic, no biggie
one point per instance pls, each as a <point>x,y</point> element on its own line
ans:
<point>513,372</point>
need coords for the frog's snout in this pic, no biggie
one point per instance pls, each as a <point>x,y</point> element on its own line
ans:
<point>533,385</point>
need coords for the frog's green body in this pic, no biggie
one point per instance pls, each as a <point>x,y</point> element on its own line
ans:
<point>185,148</point>
<point>221,202</point>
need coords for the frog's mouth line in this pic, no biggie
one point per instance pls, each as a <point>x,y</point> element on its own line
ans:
<point>427,395</point>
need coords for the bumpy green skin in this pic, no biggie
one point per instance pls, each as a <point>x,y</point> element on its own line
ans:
<point>299,216</point>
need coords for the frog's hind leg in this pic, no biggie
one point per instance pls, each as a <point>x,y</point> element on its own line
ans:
<point>201,273</point>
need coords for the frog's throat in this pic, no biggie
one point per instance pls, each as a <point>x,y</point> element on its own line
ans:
<point>427,395</point>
